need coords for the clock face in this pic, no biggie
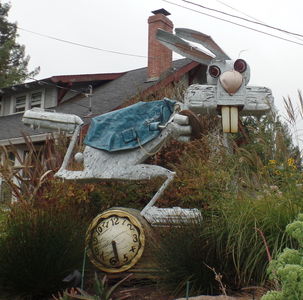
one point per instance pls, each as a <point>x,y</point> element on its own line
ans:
<point>115,241</point>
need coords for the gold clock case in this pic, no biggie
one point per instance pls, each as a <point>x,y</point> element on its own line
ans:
<point>134,217</point>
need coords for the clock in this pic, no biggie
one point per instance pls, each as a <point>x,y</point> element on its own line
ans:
<point>115,239</point>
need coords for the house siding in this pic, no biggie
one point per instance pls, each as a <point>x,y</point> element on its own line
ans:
<point>6,102</point>
<point>50,99</point>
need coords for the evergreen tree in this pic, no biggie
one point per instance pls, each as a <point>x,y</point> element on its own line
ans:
<point>13,61</point>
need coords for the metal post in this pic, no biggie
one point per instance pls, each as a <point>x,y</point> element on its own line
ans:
<point>187,289</point>
<point>83,269</point>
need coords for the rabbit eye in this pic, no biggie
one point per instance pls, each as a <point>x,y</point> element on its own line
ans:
<point>214,71</point>
<point>240,65</point>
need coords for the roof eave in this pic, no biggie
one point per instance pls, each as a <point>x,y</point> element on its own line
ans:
<point>62,79</point>
<point>175,76</point>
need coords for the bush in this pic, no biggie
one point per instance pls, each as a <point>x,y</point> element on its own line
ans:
<point>39,248</point>
<point>235,239</point>
<point>115,193</point>
<point>247,232</point>
<point>184,254</point>
<point>287,268</point>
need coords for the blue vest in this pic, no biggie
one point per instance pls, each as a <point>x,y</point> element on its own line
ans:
<point>129,127</point>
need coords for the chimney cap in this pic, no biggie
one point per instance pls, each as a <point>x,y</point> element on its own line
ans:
<point>161,11</point>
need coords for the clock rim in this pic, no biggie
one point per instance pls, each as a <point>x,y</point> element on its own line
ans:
<point>120,213</point>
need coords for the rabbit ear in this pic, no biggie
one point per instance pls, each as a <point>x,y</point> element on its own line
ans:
<point>203,39</point>
<point>178,45</point>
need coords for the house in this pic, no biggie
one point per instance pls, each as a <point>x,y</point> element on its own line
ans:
<point>89,95</point>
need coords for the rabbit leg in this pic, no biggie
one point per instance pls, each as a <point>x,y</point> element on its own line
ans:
<point>143,171</point>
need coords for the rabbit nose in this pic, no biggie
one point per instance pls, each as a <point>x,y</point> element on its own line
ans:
<point>231,81</point>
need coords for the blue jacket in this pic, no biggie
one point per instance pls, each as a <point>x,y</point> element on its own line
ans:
<point>129,127</point>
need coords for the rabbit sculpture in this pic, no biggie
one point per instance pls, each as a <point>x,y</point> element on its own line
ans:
<point>226,91</point>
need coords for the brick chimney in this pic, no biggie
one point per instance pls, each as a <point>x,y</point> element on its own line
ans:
<point>159,57</point>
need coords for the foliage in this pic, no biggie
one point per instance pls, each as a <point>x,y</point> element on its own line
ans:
<point>31,178</point>
<point>183,254</point>
<point>294,115</point>
<point>108,194</point>
<point>44,230</point>
<point>3,214</point>
<point>39,248</point>
<point>241,228</point>
<point>199,180</point>
<point>270,139</point>
<point>13,62</point>
<point>229,239</point>
<point>287,268</point>
<point>29,175</point>
<point>102,290</point>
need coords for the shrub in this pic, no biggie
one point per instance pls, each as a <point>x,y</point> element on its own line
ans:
<point>287,268</point>
<point>40,247</point>
<point>247,231</point>
<point>235,240</point>
<point>115,193</point>
<point>102,291</point>
<point>183,254</point>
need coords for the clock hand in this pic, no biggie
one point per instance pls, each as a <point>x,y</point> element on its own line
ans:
<point>114,244</point>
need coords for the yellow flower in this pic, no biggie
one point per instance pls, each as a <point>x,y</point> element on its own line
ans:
<point>272,162</point>
<point>291,163</point>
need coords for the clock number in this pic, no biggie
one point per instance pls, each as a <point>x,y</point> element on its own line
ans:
<point>96,250</point>
<point>132,249</point>
<point>125,258</point>
<point>135,238</point>
<point>131,227</point>
<point>124,221</point>
<point>99,230</point>
<point>113,261</point>
<point>115,221</point>
<point>105,224</point>
<point>95,241</point>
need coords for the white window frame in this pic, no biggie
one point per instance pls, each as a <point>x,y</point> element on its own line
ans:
<point>28,99</point>
<point>41,100</point>
<point>17,107</point>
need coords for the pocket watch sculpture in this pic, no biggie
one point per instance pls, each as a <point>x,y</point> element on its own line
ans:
<point>118,143</point>
<point>115,240</point>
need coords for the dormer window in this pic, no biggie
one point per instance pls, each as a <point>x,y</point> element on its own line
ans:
<point>20,103</point>
<point>36,99</point>
<point>28,100</point>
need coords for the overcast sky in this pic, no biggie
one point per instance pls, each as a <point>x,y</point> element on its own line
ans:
<point>121,25</point>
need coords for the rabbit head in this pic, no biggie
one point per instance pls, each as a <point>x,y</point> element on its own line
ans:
<point>231,74</point>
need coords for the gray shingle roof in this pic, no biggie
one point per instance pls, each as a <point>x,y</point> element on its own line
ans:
<point>105,98</point>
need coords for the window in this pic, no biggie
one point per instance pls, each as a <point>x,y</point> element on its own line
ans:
<point>26,101</point>
<point>36,99</point>
<point>11,158</point>
<point>5,192</point>
<point>20,103</point>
